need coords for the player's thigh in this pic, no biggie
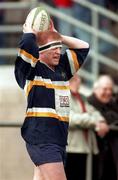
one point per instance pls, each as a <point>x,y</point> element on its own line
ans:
<point>53,171</point>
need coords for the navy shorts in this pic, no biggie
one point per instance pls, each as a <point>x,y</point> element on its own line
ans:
<point>46,153</point>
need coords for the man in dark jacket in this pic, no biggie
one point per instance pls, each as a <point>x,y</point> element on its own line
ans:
<point>102,99</point>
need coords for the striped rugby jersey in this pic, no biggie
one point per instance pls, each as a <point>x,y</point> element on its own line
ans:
<point>47,91</point>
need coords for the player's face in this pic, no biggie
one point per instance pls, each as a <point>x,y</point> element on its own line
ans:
<point>53,56</point>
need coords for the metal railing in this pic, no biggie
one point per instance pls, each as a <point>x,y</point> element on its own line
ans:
<point>18,124</point>
<point>10,124</point>
<point>96,56</point>
<point>98,9</point>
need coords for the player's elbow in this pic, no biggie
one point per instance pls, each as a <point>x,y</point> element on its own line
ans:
<point>86,45</point>
<point>82,44</point>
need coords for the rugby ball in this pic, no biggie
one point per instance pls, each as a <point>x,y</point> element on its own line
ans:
<point>38,19</point>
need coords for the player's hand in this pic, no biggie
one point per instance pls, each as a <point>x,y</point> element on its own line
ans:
<point>28,29</point>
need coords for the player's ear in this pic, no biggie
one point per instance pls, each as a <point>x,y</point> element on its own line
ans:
<point>51,26</point>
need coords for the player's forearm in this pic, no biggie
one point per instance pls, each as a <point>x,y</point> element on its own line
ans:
<point>75,43</point>
<point>28,44</point>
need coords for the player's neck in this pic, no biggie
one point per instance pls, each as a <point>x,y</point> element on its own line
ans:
<point>49,66</point>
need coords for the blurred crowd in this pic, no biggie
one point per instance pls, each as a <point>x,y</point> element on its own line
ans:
<point>93,131</point>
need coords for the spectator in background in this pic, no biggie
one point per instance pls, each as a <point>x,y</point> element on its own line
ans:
<point>64,6</point>
<point>84,121</point>
<point>103,101</point>
<point>115,98</point>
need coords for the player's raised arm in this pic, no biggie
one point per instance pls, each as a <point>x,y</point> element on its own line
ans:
<point>76,54</point>
<point>71,42</point>
<point>74,43</point>
<point>28,54</point>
